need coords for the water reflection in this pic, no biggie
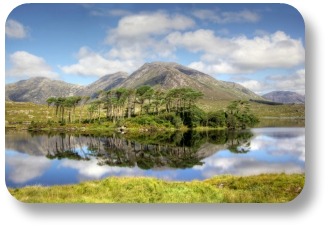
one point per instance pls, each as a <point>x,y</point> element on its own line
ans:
<point>60,159</point>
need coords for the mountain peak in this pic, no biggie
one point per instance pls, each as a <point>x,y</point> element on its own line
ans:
<point>168,75</point>
<point>106,82</point>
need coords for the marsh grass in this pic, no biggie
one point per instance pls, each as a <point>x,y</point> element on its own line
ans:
<point>220,189</point>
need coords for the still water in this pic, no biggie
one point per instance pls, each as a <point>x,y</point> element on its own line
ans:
<point>52,159</point>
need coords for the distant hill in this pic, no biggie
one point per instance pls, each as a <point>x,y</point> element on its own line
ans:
<point>285,97</point>
<point>157,74</point>
<point>38,89</point>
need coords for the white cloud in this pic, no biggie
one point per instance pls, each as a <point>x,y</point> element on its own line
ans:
<point>139,36</point>
<point>25,65</point>
<point>276,50</point>
<point>219,17</point>
<point>15,30</point>
<point>134,40</point>
<point>91,63</point>
<point>294,82</point>
<point>253,85</point>
<point>201,40</point>
<point>240,54</point>
<point>139,26</point>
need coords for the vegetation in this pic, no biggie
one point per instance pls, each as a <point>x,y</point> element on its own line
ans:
<point>264,188</point>
<point>140,108</point>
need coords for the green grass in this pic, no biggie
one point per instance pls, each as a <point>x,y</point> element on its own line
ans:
<point>220,189</point>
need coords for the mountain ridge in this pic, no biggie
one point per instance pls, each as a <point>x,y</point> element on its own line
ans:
<point>164,75</point>
<point>285,97</point>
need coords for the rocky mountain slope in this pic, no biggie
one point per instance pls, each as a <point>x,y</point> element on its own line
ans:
<point>172,75</point>
<point>38,89</point>
<point>157,74</point>
<point>285,97</point>
<point>106,82</point>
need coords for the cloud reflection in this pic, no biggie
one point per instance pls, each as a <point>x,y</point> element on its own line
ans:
<point>89,170</point>
<point>22,170</point>
<point>292,144</point>
<point>245,166</point>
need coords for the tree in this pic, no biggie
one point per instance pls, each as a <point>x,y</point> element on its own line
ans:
<point>50,101</point>
<point>238,115</point>
<point>84,100</point>
<point>142,95</point>
<point>215,119</point>
<point>68,104</point>
<point>131,93</point>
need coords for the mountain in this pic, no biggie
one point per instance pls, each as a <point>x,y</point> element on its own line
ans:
<point>172,75</point>
<point>38,89</point>
<point>106,82</point>
<point>285,97</point>
<point>157,74</point>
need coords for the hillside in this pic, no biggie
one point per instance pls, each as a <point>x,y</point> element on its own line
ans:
<point>172,75</point>
<point>106,82</point>
<point>285,97</point>
<point>38,89</point>
<point>157,74</point>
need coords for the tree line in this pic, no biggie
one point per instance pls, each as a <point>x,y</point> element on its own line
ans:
<point>177,106</point>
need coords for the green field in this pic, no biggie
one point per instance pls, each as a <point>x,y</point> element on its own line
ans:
<point>264,188</point>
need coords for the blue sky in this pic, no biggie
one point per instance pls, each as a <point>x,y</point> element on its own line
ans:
<point>261,46</point>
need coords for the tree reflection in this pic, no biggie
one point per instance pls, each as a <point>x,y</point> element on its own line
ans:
<point>154,151</point>
<point>239,142</point>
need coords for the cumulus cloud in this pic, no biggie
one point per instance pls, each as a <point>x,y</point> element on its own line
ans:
<point>240,54</point>
<point>133,40</point>
<point>253,85</point>
<point>216,16</point>
<point>294,82</point>
<point>142,25</point>
<point>157,35</point>
<point>91,63</point>
<point>28,65</point>
<point>140,35</point>
<point>15,30</point>
<point>201,40</point>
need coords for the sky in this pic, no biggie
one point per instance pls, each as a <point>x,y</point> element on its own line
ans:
<point>260,46</point>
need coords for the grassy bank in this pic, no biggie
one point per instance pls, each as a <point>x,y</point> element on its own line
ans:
<point>220,189</point>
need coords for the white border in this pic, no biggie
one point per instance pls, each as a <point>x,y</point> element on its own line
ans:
<point>308,209</point>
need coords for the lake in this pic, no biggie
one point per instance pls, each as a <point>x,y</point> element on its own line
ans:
<point>55,159</point>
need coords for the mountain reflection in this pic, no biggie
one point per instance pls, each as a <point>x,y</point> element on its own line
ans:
<point>156,151</point>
